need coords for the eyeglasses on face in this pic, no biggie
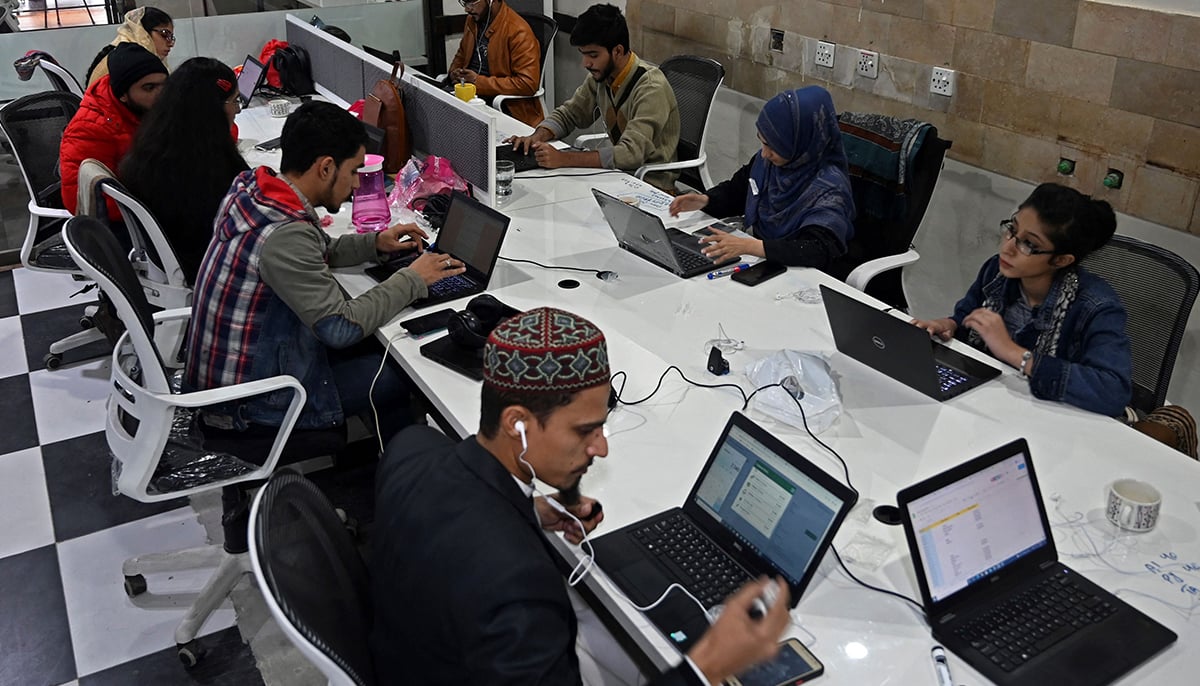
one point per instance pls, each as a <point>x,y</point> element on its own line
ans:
<point>467,3</point>
<point>1008,231</point>
<point>167,34</point>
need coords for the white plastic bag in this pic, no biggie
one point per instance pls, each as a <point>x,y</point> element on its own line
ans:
<point>821,402</point>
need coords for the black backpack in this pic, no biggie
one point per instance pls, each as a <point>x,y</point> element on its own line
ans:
<point>295,70</point>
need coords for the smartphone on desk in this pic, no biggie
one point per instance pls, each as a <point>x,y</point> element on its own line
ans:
<point>427,322</point>
<point>268,145</point>
<point>760,272</point>
<point>793,665</point>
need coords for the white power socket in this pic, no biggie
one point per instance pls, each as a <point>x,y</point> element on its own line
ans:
<point>941,82</point>
<point>825,54</point>
<point>868,64</point>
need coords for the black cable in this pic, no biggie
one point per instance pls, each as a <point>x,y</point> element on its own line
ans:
<point>551,266</point>
<point>864,584</point>
<point>657,386</point>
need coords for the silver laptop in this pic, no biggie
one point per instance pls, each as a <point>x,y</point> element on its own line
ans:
<point>643,234</point>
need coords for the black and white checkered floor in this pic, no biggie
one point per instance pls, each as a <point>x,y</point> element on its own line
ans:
<point>64,618</point>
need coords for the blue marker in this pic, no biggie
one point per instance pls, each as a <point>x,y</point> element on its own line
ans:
<point>728,272</point>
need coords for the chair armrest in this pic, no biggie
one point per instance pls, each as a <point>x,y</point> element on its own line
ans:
<point>39,211</point>
<point>172,315</point>
<point>441,77</point>
<point>670,166</point>
<point>501,99</point>
<point>863,273</point>
<point>585,139</point>
<point>214,396</point>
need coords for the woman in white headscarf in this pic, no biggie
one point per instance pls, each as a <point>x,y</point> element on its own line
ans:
<point>149,27</point>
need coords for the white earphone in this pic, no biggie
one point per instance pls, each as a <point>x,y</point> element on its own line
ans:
<point>520,427</point>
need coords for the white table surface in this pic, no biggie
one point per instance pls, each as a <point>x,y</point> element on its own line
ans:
<point>890,436</point>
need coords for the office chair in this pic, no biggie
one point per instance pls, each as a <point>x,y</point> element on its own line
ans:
<point>1158,289</point>
<point>312,577</point>
<point>695,81</point>
<point>544,29</point>
<point>156,437</point>
<point>894,167</point>
<point>60,78</point>
<point>34,126</point>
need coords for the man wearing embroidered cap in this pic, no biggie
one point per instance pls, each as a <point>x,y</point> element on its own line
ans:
<point>466,587</point>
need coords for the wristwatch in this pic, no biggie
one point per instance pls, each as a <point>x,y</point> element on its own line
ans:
<point>1025,358</point>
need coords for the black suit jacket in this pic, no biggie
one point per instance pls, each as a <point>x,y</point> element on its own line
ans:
<point>466,587</point>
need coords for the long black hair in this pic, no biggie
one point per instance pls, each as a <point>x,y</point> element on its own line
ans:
<point>1078,224</point>
<point>184,156</point>
<point>152,18</point>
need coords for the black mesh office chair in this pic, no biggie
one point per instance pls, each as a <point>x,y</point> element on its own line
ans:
<point>544,29</point>
<point>1158,289</point>
<point>312,577</point>
<point>695,81</point>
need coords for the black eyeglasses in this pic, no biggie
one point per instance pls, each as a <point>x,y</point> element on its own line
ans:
<point>167,34</point>
<point>1008,231</point>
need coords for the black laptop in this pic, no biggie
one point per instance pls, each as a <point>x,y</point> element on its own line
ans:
<point>522,161</point>
<point>758,507</point>
<point>473,233</point>
<point>900,350</point>
<point>643,234</point>
<point>250,79</point>
<point>994,591</point>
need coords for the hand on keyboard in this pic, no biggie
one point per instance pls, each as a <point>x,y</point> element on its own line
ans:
<point>720,246</point>
<point>432,267</point>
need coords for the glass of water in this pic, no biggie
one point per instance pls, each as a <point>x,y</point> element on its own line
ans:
<point>505,171</point>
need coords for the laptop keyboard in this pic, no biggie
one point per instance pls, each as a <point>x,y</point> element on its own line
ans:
<point>451,284</point>
<point>949,378</point>
<point>689,260</point>
<point>1034,621</point>
<point>707,572</point>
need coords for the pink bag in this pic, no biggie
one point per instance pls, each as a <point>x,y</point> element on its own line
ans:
<point>419,179</point>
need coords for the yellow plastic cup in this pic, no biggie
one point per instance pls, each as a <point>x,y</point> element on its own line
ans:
<point>464,91</point>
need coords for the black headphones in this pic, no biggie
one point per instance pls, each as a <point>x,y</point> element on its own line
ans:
<point>470,327</point>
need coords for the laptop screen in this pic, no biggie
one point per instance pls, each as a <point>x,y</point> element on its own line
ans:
<point>248,80</point>
<point>767,503</point>
<point>972,528</point>
<point>473,233</point>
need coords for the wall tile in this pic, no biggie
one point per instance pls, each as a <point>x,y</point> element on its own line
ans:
<point>1175,146</point>
<point>1122,31</point>
<point>974,14</point>
<point>1118,197</point>
<point>845,59</point>
<point>967,138</point>
<point>1020,156</point>
<point>968,96</point>
<point>1096,128</point>
<point>1183,47</point>
<point>995,57</point>
<point>698,27</point>
<point>1164,197</point>
<point>1020,109</point>
<point>852,26</point>
<point>940,11</point>
<point>1074,73</point>
<point>921,41</point>
<point>1050,21</point>
<point>808,17</point>
<point>904,8</point>
<point>897,78</point>
<point>656,17</point>
<point>1157,90</point>
<point>1090,167</point>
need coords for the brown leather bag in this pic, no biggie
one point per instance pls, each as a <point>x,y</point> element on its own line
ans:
<point>384,108</point>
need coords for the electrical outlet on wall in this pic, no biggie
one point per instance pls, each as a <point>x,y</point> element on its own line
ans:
<point>777,40</point>
<point>941,82</point>
<point>868,64</point>
<point>825,54</point>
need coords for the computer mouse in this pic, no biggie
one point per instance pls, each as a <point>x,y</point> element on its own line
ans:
<point>606,275</point>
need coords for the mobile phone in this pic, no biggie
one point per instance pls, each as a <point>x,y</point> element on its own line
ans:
<point>427,322</point>
<point>794,665</point>
<point>268,145</point>
<point>760,272</point>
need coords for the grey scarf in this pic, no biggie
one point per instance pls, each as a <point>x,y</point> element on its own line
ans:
<point>1047,342</point>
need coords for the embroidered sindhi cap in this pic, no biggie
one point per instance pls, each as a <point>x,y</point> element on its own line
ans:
<point>545,350</point>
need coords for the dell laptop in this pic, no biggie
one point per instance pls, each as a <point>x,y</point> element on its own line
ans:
<point>643,234</point>
<point>250,79</point>
<point>758,507</point>
<point>994,591</point>
<point>900,350</point>
<point>472,233</point>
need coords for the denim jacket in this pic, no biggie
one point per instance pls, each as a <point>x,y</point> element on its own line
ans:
<point>1092,368</point>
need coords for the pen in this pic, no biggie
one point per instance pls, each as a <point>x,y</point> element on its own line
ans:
<point>727,272</point>
<point>940,667</point>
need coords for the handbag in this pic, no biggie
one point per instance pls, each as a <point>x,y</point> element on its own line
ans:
<point>384,109</point>
<point>295,70</point>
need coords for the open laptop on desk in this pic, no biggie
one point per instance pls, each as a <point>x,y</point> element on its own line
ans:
<point>521,161</point>
<point>250,79</point>
<point>643,234</point>
<point>473,233</point>
<point>982,546</point>
<point>900,350</point>
<point>758,507</point>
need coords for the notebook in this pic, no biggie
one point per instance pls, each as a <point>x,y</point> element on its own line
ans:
<point>250,79</point>
<point>982,546</point>
<point>643,234</point>
<point>900,350</point>
<point>473,233</point>
<point>758,507</point>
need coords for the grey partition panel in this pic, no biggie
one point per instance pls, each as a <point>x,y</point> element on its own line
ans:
<point>332,67</point>
<point>441,128</point>
<point>371,75</point>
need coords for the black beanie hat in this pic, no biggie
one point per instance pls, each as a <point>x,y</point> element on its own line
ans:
<point>128,63</point>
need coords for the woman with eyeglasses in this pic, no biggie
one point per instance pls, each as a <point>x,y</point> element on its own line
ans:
<point>149,27</point>
<point>1033,307</point>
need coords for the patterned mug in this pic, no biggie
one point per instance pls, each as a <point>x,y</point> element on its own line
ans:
<point>1133,505</point>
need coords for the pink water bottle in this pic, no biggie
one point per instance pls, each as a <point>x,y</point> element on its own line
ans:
<point>371,212</point>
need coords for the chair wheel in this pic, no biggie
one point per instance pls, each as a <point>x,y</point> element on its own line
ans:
<point>86,322</point>
<point>135,585</point>
<point>190,653</point>
<point>52,361</point>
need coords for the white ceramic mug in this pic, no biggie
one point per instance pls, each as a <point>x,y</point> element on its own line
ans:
<point>1133,505</point>
<point>279,108</point>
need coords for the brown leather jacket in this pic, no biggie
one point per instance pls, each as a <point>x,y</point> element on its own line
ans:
<point>514,61</point>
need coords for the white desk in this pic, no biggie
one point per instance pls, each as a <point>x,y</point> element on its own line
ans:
<point>889,435</point>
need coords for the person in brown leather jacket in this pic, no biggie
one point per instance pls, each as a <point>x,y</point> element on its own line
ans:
<point>507,60</point>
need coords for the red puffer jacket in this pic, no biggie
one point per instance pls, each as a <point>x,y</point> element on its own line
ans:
<point>103,130</point>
